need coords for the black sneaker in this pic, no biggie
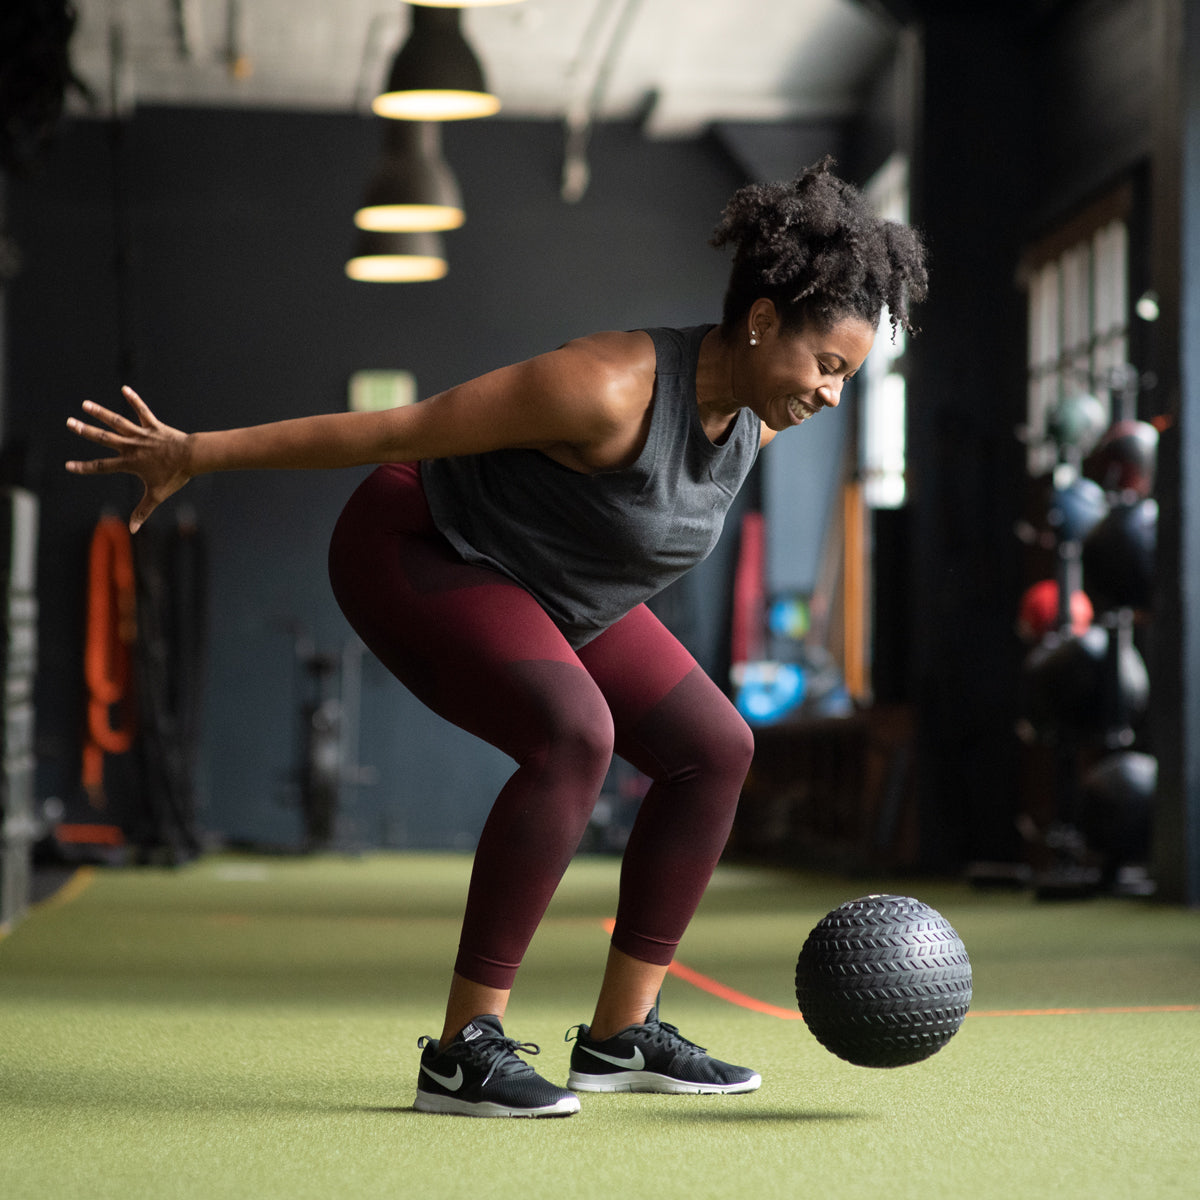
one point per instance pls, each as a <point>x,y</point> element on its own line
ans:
<point>478,1074</point>
<point>654,1057</point>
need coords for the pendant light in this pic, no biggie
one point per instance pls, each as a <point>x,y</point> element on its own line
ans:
<point>413,187</point>
<point>391,257</point>
<point>435,75</point>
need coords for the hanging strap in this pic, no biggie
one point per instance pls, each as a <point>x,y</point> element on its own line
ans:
<point>108,651</point>
<point>749,592</point>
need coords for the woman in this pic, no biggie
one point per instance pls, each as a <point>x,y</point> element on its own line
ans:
<point>498,564</point>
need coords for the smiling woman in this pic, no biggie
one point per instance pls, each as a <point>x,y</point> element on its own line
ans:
<point>797,373</point>
<point>498,561</point>
<point>813,269</point>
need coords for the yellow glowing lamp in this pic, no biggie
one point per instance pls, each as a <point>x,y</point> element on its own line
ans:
<point>409,257</point>
<point>412,187</point>
<point>435,75</point>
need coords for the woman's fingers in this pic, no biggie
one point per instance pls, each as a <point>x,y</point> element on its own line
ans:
<point>145,448</point>
<point>138,517</point>
<point>122,434</point>
<point>91,432</point>
<point>113,420</point>
<point>139,406</point>
<point>101,466</point>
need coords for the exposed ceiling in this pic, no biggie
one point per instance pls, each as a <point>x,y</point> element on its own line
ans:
<point>678,64</point>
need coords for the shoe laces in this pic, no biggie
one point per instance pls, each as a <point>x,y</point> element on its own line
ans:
<point>500,1056</point>
<point>502,1053</point>
<point>497,1054</point>
<point>669,1037</point>
<point>660,1033</point>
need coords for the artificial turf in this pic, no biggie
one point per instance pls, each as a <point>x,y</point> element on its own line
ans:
<point>247,1027</point>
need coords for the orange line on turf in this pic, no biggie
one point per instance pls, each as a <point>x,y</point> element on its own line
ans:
<point>715,988</point>
<point>65,894</point>
<point>79,882</point>
<point>734,997</point>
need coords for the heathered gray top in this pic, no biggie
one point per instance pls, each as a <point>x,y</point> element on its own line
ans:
<point>591,547</point>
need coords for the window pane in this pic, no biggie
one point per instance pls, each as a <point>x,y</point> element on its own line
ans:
<point>1078,325</point>
<point>885,446</point>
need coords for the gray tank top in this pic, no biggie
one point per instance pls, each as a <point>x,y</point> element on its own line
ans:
<point>591,547</point>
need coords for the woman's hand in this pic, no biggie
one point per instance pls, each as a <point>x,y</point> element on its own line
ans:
<point>154,452</point>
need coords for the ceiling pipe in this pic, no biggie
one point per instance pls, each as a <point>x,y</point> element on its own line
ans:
<point>585,105</point>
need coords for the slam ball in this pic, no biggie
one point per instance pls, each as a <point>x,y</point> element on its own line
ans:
<point>883,981</point>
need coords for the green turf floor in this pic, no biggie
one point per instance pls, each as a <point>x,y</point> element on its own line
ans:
<point>247,1028</point>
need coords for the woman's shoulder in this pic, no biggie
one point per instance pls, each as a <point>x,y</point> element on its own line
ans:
<point>616,366</point>
<point>614,350</point>
<point>607,381</point>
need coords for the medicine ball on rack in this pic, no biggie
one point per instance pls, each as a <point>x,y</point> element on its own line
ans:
<point>1076,508</point>
<point>1118,556</point>
<point>1076,422</point>
<point>1118,794</point>
<point>1064,685</point>
<point>1125,458</point>
<point>1117,797</point>
<point>1038,612</point>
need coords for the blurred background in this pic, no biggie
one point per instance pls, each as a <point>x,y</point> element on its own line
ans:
<point>961,612</point>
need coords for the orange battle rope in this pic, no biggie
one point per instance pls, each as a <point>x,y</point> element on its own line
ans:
<point>108,650</point>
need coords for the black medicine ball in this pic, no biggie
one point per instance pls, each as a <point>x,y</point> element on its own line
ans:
<point>883,981</point>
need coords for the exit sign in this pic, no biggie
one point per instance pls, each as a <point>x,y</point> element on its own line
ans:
<point>373,391</point>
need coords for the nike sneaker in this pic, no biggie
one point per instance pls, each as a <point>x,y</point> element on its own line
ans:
<point>478,1074</point>
<point>653,1057</point>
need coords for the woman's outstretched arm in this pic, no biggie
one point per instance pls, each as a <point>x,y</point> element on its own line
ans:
<point>575,396</point>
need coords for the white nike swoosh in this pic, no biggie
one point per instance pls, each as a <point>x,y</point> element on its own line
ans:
<point>635,1063</point>
<point>450,1082</point>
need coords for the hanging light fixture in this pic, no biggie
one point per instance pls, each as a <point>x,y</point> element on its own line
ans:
<point>413,187</point>
<point>435,75</point>
<point>392,257</point>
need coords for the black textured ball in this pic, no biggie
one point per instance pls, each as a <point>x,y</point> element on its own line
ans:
<point>883,981</point>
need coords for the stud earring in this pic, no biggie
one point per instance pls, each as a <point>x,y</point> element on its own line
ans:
<point>754,339</point>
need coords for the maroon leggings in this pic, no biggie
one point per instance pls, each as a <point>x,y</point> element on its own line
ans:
<point>480,651</point>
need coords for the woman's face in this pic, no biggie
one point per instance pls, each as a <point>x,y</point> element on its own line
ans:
<point>793,374</point>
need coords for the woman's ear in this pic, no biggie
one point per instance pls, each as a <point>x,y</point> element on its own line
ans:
<point>762,319</point>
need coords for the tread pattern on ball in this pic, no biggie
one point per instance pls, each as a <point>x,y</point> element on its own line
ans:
<point>883,981</point>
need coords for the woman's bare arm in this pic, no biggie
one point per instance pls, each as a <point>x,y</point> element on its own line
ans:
<point>579,396</point>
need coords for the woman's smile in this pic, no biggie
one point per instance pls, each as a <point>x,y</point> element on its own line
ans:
<point>800,410</point>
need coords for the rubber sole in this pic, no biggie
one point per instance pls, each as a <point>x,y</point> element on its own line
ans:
<point>452,1106</point>
<point>648,1081</point>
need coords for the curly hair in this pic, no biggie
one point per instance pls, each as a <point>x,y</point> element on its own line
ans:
<point>816,248</point>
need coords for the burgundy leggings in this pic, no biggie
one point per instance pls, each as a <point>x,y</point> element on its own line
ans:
<point>479,650</point>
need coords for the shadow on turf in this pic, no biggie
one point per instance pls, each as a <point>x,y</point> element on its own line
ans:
<point>728,1116</point>
<point>750,1116</point>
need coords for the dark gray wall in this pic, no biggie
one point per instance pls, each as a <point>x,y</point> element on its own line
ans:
<point>231,307</point>
<point>1091,68</point>
<point>971,190</point>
